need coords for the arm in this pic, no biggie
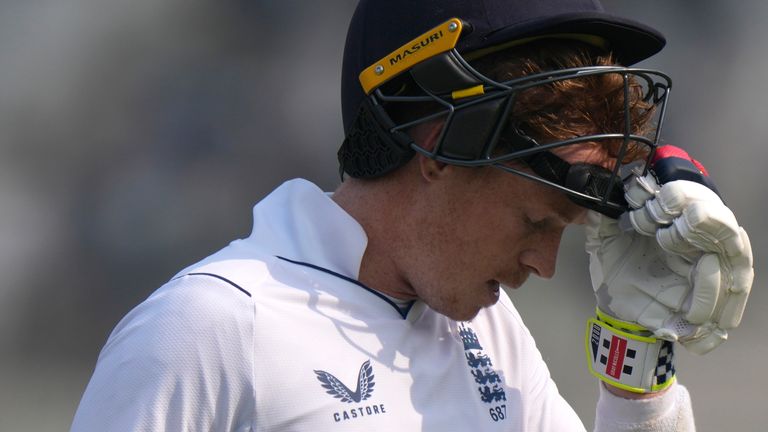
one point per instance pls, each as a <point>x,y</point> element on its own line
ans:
<point>668,410</point>
<point>678,267</point>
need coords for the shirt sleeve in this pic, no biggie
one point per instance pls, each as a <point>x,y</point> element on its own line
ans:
<point>181,360</point>
<point>670,411</point>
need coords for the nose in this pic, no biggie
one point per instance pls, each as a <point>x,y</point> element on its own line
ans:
<point>541,257</point>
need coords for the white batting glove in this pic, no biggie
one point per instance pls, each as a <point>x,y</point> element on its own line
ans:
<point>679,265</point>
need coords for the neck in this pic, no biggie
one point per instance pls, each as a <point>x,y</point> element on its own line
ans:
<point>379,207</point>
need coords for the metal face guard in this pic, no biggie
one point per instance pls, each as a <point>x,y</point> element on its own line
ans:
<point>475,113</point>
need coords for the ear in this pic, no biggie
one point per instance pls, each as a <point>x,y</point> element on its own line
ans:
<point>426,136</point>
<point>430,169</point>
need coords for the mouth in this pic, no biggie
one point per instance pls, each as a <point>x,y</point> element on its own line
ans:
<point>494,287</point>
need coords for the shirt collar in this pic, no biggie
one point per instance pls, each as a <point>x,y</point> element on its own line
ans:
<point>300,222</point>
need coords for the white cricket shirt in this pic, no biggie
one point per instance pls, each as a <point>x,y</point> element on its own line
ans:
<point>273,333</point>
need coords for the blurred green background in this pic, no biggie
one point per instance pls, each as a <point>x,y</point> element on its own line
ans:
<point>135,136</point>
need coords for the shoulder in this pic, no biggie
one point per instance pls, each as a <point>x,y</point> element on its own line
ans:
<point>182,357</point>
<point>183,317</point>
<point>212,302</point>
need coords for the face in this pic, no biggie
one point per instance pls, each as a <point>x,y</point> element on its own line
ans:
<point>482,228</point>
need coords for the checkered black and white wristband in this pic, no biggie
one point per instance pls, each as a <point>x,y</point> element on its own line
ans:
<point>624,355</point>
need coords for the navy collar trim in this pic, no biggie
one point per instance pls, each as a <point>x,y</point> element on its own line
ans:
<point>402,312</point>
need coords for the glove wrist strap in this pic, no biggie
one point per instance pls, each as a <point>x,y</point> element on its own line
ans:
<point>626,356</point>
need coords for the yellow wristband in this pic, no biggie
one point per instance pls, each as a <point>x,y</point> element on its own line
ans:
<point>621,358</point>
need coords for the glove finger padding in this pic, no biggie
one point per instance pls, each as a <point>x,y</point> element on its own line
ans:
<point>704,339</point>
<point>638,190</point>
<point>737,278</point>
<point>714,301</point>
<point>707,226</point>
<point>706,278</point>
<point>722,276</point>
<point>669,201</point>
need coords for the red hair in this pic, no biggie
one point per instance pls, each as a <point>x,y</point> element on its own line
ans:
<point>575,107</point>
